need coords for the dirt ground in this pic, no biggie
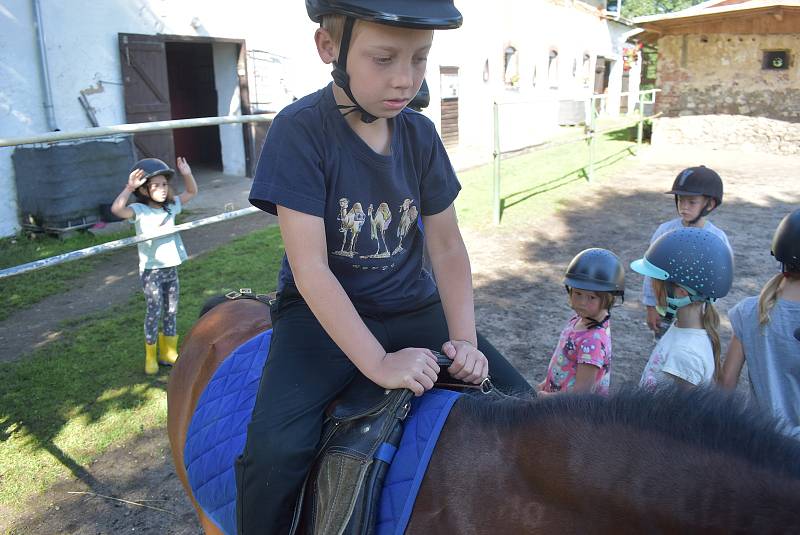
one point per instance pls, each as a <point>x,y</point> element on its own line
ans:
<point>520,304</point>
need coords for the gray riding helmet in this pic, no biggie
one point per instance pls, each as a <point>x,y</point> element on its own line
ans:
<point>596,270</point>
<point>694,258</point>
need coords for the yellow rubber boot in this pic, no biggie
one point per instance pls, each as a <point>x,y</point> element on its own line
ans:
<point>150,361</point>
<point>167,349</point>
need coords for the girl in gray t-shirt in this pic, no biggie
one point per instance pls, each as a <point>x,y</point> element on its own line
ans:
<point>764,334</point>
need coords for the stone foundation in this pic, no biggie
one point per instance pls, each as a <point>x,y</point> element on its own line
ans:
<point>730,132</point>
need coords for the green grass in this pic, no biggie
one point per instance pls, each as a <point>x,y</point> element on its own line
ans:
<point>25,290</point>
<point>69,401</point>
<point>538,182</point>
<point>73,399</point>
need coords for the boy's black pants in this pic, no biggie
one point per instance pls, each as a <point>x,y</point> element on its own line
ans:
<point>305,371</point>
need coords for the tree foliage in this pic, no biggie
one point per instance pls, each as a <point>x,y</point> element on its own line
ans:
<point>638,8</point>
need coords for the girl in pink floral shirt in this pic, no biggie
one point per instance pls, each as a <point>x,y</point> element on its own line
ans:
<point>581,361</point>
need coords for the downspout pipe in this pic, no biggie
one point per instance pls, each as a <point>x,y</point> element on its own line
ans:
<point>48,92</point>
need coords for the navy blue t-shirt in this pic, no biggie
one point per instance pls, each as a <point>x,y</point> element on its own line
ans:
<point>313,162</point>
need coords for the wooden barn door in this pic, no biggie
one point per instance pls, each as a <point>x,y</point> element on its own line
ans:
<point>144,75</point>
<point>449,92</point>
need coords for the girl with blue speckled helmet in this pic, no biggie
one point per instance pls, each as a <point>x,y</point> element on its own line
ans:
<point>690,269</point>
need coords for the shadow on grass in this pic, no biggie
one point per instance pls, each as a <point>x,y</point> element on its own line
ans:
<point>631,133</point>
<point>69,401</point>
<point>581,173</point>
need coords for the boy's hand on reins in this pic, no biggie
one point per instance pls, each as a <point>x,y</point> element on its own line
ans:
<point>469,363</point>
<point>413,368</point>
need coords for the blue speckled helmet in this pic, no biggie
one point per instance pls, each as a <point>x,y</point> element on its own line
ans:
<point>694,258</point>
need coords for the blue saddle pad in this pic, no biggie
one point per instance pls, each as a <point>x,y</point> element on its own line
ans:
<point>218,431</point>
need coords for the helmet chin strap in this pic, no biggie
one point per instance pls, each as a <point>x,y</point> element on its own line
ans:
<point>675,303</point>
<point>342,79</point>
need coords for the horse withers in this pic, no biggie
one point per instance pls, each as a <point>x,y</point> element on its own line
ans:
<point>676,461</point>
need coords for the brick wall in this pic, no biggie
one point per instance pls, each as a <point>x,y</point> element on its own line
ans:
<point>722,74</point>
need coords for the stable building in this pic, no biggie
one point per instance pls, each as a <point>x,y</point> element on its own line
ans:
<point>728,75</point>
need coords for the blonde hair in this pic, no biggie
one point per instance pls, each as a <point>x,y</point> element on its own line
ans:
<point>710,322</point>
<point>766,300</point>
<point>334,25</point>
<point>660,291</point>
<point>711,325</point>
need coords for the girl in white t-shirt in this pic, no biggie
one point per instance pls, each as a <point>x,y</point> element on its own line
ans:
<point>690,268</point>
<point>766,333</point>
<point>159,258</point>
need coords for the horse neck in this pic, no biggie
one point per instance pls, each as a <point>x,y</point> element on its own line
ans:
<point>573,476</point>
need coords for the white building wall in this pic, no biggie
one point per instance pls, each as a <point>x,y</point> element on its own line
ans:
<point>530,112</point>
<point>83,54</point>
<point>231,137</point>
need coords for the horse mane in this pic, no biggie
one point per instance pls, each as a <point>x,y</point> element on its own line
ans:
<point>703,417</point>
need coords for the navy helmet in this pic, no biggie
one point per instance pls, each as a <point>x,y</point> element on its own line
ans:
<point>153,167</point>
<point>596,270</point>
<point>786,243</point>
<point>415,14</point>
<point>420,14</point>
<point>693,258</point>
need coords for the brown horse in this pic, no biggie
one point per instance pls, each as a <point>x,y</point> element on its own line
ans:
<point>633,463</point>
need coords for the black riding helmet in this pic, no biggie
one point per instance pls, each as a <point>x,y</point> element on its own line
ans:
<point>151,167</point>
<point>416,14</point>
<point>699,180</point>
<point>786,243</point>
<point>421,99</point>
<point>596,270</point>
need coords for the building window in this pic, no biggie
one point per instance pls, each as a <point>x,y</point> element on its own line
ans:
<point>511,66</point>
<point>775,60</point>
<point>552,69</point>
<point>535,72</point>
<point>486,71</point>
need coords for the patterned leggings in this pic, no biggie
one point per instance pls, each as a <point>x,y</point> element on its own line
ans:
<point>161,290</point>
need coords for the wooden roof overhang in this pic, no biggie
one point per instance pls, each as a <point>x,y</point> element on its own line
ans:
<point>745,18</point>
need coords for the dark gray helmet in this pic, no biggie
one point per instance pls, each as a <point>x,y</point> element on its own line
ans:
<point>694,258</point>
<point>699,180</point>
<point>422,98</point>
<point>596,270</point>
<point>420,14</point>
<point>153,167</point>
<point>786,242</point>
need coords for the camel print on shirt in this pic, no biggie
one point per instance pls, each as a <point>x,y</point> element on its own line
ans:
<point>382,233</point>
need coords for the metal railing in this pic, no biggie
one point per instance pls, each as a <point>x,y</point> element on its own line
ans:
<point>133,128</point>
<point>645,97</point>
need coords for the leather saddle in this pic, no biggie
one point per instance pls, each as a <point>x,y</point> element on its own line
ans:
<point>361,433</point>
